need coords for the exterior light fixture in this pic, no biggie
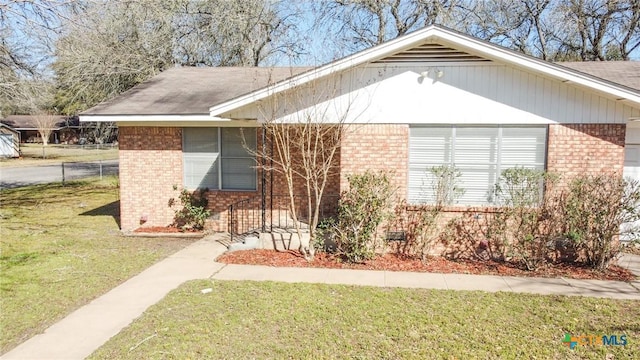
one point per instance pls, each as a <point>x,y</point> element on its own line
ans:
<point>437,73</point>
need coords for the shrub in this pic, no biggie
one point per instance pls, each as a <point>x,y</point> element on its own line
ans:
<point>595,208</point>
<point>446,184</point>
<point>324,239</point>
<point>421,224</point>
<point>527,223</point>
<point>193,212</point>
<point>521,187</point>
<point>361,210</point>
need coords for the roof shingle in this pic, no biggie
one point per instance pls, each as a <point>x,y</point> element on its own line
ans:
<point>191,90</point>
<point>626,73</point>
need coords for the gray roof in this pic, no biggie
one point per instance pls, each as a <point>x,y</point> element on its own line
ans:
<point>191,90</point>
<point>626,73</point>
<point>29,122</point>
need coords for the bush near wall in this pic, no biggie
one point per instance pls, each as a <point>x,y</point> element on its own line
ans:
<point>577,222</point>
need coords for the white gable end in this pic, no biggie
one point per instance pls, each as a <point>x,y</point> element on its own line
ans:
<point>437,46</point>
<point>441,93</point>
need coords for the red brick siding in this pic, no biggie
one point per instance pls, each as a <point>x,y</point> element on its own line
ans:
<point>575,149</point>
<point>150,165</point>
<point>376,147</point>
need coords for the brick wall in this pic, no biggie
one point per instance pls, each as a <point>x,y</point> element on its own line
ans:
<point>376,147</point>
<point>145,190</point>
<point>576,149</point>
<point>150,165</point>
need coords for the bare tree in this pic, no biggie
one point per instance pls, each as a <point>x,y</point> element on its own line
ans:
<point>115,45</point>
<point>45,123</point>
<point>234,33</point>
<point>550,29</point>
<point>100,132</point>
<point>28,31</point>
<point>305,127</point>
<point>364,23</point>
<point>604,29</point>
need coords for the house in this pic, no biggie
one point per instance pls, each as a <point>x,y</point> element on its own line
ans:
<point>432,97</point>
<point>9,141</point>
<point>67,129</point>
<point>625,73</point>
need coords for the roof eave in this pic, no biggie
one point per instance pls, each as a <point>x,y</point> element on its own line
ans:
<point>149,118</point>
<point>480,47</point>
<point>324,70</point>
<point>565,74</point>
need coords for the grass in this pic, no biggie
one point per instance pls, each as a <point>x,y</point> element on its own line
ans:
<point>32,154</point>
<point>60,247</point>
<point>280,320</point>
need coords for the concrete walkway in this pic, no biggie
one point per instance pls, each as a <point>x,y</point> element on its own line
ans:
<point>594,288</point>
<point>86,329</point>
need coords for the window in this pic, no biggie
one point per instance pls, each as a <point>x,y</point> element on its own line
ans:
<point>215,158</point>
<point>480,153</point>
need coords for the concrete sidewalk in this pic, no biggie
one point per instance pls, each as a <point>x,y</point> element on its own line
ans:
<point>572,287</point>
<point>86,329</point>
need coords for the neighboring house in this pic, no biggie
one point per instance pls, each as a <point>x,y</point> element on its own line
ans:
<point>9,141</point>
<point>431,97</point>
<point>67,129</point>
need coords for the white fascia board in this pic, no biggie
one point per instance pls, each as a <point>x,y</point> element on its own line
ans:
<point>36,129</point>
<point>185,124</point>
<point>361,57</point>
<point>150,118</point>
<point>480,47</point>
<point>555,70</point>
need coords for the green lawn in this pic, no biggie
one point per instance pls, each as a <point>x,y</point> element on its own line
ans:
<point>278,320</point>
<point>60,247</point>
<point>32,154</point>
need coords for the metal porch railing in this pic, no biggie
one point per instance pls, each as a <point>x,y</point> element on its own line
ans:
<point>254,215</point>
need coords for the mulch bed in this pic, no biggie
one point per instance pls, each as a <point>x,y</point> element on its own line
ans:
<point>394,262</point>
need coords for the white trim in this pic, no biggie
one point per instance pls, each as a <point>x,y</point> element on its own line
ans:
<point>531,63</point>
<point>233,123</point>
<point>434,34</point>
<point>150,118</point>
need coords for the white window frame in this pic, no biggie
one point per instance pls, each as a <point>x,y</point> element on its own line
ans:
<point>217,160</point>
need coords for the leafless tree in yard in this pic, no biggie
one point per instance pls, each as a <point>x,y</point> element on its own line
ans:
<point>45,123</point>
<point>28,30</point>
<point>554,30</point>
<point>305,127</point>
